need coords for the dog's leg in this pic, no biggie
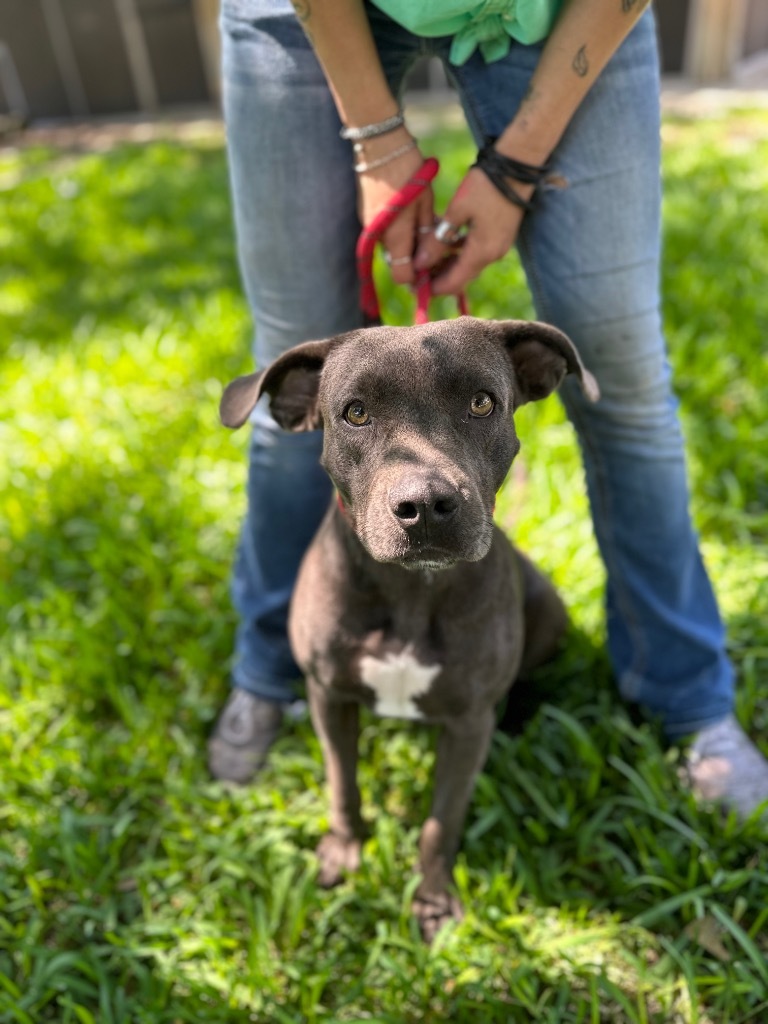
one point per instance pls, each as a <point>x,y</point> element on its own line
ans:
<point>461,755</point>
<point>546,619</point>
<point>337,724</point>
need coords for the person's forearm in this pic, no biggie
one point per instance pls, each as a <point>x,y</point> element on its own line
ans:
<point>384,161</point>
<point>586,35</point>
<point>342,39</point>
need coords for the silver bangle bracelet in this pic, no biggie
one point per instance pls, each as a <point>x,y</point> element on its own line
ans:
<point>372,131</point>
<point>371,165</point>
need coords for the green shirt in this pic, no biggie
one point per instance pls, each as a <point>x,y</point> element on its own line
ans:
<point>487,24</point>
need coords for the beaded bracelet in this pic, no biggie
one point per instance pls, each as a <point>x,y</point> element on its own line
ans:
<point>372,131</point>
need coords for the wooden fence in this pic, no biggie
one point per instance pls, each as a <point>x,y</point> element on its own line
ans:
<point>79,58</point>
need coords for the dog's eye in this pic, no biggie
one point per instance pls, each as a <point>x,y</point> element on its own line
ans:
<point>356,414</point>
<point>482,404</point>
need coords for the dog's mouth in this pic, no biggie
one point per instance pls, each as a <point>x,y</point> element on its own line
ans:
<point>429,559</point>
<point>395,549</point>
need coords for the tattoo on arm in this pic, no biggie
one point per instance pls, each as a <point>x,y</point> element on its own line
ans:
<point>580,63</point>
<point>303,13</point>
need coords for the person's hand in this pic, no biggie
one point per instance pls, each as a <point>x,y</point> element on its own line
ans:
<point>491,222</point>
<point>375,190</point>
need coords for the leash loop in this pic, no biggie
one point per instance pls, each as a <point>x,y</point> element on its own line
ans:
<point>371,235</point>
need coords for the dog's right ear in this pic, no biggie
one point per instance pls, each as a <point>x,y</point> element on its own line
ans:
<point>292,383</point>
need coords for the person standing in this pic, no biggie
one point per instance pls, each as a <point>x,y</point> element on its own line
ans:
<point>563,102</point>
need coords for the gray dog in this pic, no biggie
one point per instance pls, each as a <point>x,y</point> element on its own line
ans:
<point>409,600</point>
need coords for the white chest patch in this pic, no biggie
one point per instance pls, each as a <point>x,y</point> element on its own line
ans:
<point>397,679</point>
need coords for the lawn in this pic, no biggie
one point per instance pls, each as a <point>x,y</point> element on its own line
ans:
<point>132,887</point>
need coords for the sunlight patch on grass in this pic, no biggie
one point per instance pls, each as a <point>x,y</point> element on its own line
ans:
<point>134,888</point>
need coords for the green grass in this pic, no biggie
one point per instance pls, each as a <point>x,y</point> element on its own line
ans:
<point>132,888</point>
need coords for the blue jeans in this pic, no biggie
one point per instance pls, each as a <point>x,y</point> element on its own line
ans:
<point>591,255</point>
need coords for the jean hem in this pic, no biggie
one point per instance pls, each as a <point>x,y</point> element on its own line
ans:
<point>281,691</point>
<point>687,730</point>
<point>679,722</point>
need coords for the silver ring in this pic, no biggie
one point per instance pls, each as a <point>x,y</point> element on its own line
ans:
<point>425,229</point>
<point>397,261</point>
<point>446,232</point>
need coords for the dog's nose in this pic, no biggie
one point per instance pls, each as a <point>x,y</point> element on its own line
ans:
<point>416,501</point>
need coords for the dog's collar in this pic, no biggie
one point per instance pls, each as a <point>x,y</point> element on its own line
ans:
<point>342,507</point>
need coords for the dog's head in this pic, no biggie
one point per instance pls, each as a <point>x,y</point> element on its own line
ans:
<point>419,432</point>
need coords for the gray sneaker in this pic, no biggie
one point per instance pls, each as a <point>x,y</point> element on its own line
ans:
<point>725,766</point>
<point>246,729</point>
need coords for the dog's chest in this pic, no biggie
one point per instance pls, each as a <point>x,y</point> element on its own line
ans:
<point>397,679</point>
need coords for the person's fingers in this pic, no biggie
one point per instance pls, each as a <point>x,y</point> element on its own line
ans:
<point>486,226</point>
<point>399,245</point>
<point>425,214</point>
<point>471,260</point>
<point>484,244</point>
<point>401,239</point>
<point>434,246</point>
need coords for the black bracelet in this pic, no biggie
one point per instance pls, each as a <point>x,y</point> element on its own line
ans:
<point>498,168</point>
<point>503,186</point>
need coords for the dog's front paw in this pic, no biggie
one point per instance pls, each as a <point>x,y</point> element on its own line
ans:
<point>338,856</point>
<point>435,910</point>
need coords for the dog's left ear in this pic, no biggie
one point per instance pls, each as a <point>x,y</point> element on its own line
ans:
<point>542,356</point>
<point>291,382</point>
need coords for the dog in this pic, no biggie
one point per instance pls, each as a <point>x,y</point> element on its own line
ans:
<point>410,601</point>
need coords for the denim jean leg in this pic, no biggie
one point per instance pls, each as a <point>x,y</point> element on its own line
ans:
<point>294,196</point>
<point>593,259</point>
<point>591,253</point>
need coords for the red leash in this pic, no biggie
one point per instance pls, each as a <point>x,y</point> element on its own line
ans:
<point>372,234</point>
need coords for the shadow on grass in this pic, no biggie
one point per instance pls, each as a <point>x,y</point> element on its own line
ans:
<point>556,682</point>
